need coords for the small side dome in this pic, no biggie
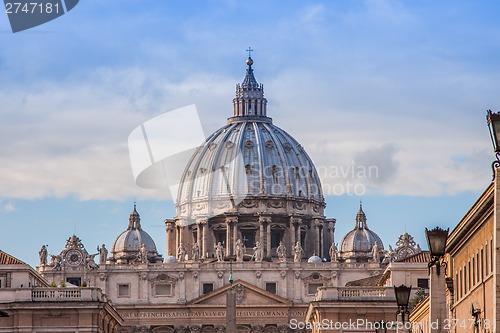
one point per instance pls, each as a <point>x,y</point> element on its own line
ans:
<point>127,245</point>
<point>170,259</point>
<point>314,259</point>
<point>358,245</point>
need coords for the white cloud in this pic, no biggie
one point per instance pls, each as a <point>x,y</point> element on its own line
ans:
<point>8,207</point>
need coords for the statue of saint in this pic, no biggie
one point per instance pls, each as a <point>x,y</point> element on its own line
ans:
<point>181,253</point>
<point>257,252</point>
<point>281,250</point>
<point>143,254</point>
<point>219,251</point>
<point>196,252</point>
<point>240,250</point>
<point>103,254</point>
<point>333,253</point>
<point>297,252</point>
<point>375,253</point>
<point>43,255</point>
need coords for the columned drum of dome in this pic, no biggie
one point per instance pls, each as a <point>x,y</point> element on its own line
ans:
<point>250,180</point>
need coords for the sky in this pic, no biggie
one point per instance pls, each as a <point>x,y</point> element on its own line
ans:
<point>398,86</point>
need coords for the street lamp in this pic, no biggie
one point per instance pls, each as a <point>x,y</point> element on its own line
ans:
<point>493,120</point>
<point>436,239</point>
<point>402,298</point>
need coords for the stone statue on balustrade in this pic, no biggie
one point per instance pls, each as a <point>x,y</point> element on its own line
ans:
<point>56,262</point>
<point>297,252</point>
<point>103,254</point>
<point>142,256</point>
<point>258,252</point>
<point>90,263</point>
<point>42,254</point>
<point>219,252</point>
<point>333,253</point>
<point>281,251</point>
<point>196,252</point>
<point>375,253</point>
<point>240,250</point>
<point>181,253</point>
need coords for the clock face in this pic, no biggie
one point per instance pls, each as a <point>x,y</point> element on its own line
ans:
<point>405,252</point>
<point>74,257</point>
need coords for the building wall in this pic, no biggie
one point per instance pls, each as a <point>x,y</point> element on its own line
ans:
<point>471,267</point>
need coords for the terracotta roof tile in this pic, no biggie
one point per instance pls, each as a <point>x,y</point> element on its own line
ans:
<point>7,259</point>
<point>423,256</point>
<point>370,281</point>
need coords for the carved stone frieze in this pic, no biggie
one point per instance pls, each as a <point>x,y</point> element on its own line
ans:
<point>240,293</point>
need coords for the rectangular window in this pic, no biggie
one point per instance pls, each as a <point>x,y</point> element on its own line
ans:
<point>208,287</point>
<point>313,288</point>
<point>163,290</point>
<point>248,237</point>
<point>486,252</point>
<point>473,271</point>
<point>478,269</point>
<point>124,290</point>
<point>76,281</point>
<point>461,283</point>
<point>271,287</point>
<point>423,283</point>
<point>491,255</point>
<point>482,264</point>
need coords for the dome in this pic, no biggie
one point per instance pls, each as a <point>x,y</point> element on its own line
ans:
<point>249,158</point>
<point>170,259</point>
<point>314,259</point>
<point>358,244</point>
<point>128,243</point>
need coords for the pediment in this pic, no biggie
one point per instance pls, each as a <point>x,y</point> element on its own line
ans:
<point>246,294</point>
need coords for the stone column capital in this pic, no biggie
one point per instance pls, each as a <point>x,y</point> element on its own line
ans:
<point>231,219</point>
<point>264,219</point>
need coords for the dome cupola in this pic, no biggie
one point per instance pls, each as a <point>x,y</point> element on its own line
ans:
<point>250,180</point>
<point>359,243</point>
<point>128,244</point>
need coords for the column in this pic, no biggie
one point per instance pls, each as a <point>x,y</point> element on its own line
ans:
<point>292,235</point>
<point>235,233</point>
<point>206,230</point>
<point>169,228</point>
<point>331,229</point>
<point>228,237</point>
<point>316,236</point>
<point>437,299</point>
<point>268,238</point>
<point>299,235</point>
<point>176,237</point>
<point>321,241</point>
<point>261,230</point>
<point>198,234</point>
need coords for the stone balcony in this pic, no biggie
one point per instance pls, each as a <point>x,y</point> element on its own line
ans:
<point>349,294</point>
<point>51,295</point>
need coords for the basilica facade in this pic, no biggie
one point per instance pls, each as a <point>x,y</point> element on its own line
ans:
<point>249,210</point>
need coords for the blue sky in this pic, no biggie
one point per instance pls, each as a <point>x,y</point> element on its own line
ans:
<point>400,85</point>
